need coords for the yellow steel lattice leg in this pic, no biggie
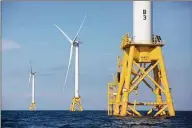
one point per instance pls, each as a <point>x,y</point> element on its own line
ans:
<point>120,86</point>
<point>127,82</point>
<point>165,83</point>
<point>32,107</point>
<point>76,104</point>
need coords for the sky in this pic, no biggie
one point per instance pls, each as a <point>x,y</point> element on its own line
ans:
<point>28,33</point>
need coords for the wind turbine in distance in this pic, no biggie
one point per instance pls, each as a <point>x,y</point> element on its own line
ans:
<point>76,102</point>
<point>32,107</point>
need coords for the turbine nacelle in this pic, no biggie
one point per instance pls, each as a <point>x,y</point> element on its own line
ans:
<point>75,43</point>
<point>31,72</point>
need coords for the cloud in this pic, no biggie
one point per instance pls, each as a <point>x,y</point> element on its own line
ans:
<point>9,45</point>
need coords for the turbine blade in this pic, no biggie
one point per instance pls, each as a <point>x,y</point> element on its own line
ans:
<point>79,29</point>
<point>30,66</point>
<point>29,78</point>
<point>70,57</point>
<point>64,34</point>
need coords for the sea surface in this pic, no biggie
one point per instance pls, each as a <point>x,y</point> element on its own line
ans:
<point>89,119</point>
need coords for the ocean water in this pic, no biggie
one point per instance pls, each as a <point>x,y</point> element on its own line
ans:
<point>89,119</point>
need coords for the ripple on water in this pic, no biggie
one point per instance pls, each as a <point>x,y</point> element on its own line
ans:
<point>88,119</point>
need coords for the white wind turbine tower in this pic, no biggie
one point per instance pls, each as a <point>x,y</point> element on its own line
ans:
<point>76,102</point>
<point>32,80</point>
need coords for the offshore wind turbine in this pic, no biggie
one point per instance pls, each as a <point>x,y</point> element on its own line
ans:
<point>76,102</point>
<point>32,107</point>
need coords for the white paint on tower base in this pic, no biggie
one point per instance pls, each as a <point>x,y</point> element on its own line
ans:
<point>33,88</point>
<point>142,23</point>
<point>76,70</point>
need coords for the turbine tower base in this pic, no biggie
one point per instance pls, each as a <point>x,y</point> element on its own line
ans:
<point>32,107</point>
<point>137,63</point>
<point>76,104</point>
